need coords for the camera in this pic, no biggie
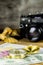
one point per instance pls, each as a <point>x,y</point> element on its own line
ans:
<point>31,27</point>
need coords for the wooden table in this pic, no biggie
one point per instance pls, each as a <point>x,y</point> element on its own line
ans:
<point>27,42</point>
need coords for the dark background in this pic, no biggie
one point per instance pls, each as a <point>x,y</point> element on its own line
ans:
<point>11,10</point>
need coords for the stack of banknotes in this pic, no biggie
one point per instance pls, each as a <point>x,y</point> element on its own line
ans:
<point>30,59</point>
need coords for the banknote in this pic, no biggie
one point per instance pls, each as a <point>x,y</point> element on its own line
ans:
<point>30,59</point>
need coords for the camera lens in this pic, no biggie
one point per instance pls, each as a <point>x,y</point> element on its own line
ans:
<point>34,33</point>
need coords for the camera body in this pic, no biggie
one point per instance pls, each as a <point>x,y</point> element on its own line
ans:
<point>31,27</point>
